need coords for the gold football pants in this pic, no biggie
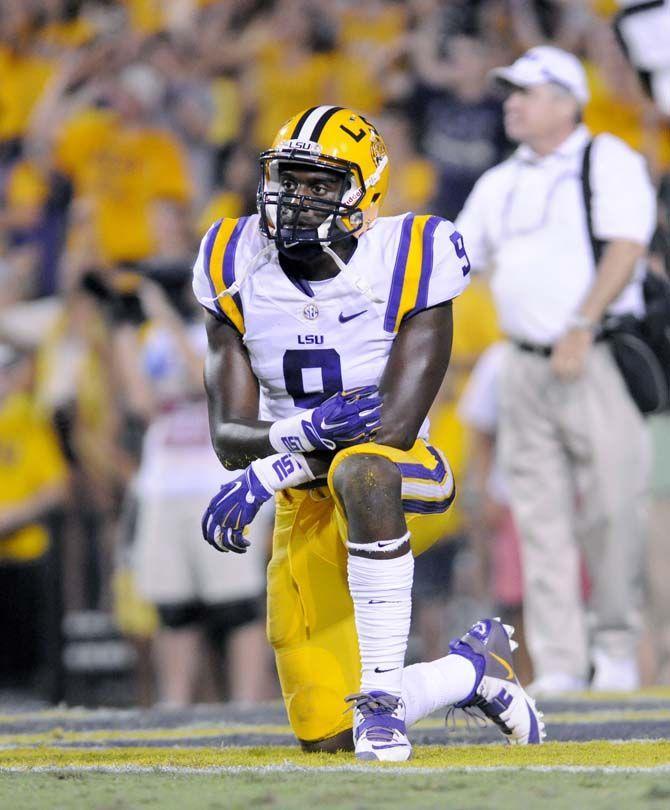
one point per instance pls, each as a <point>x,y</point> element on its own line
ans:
<point>310,612</point>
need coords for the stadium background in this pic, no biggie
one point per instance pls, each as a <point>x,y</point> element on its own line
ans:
<point>126,128</point>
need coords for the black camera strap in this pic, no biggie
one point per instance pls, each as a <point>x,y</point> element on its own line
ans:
<point>597,245</point>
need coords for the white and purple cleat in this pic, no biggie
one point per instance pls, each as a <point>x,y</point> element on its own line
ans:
<point>498,693</point>
<point>379,727</point>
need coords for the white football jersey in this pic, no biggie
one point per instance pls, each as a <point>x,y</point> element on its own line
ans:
<point>307,341</point>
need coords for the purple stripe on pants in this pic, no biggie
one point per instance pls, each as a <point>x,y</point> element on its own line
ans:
<point>417,507</point>
<point>419,471</point>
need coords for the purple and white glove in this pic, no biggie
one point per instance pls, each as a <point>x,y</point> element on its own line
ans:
<point>346,418</point>
<point>237,503</point>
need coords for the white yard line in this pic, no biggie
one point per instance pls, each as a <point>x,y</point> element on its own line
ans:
<point>291,768</point>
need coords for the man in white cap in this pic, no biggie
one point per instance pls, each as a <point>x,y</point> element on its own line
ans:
<point>572,442</point>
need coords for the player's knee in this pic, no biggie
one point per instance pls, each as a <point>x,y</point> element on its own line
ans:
<point>365,478</point>
<point>316,715</point>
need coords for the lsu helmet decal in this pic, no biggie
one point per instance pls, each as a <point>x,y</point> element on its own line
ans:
<point>328,138</point>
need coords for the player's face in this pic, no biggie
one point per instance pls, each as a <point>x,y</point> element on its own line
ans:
<point>537,112</point>
<point>317,183</point>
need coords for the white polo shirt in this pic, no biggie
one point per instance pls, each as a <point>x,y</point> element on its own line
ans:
<point>525,218</point>
<point>479,408</point>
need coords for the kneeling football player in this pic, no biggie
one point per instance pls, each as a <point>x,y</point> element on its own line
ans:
<point>329,334</point>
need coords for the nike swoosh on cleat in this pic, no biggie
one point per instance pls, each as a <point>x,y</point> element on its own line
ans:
<point>508,668</point>
<point>391,745</point>
<point>344,318</point>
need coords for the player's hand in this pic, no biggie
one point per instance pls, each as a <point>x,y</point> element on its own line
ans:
<point>232,509</point>
<point>346,418</point>
<point>568,359</point>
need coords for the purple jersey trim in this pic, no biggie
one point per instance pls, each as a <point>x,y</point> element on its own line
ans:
<point>229,259</point>
<point>301,284</point>
<point>209,245</point>
<point>426,265</point>
<point>398,274</point>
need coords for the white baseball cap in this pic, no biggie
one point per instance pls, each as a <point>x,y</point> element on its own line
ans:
<point>545,64</point>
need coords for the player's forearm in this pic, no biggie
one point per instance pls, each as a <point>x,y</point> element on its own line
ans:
<point>401,435</point>
<point>345,418</point>
<point>408,396</point>
<point>238,442</point>
<point>614,272</point>
<point>238,435</point>
<point>413,375</point>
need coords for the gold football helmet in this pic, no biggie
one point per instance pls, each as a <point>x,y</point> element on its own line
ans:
<point>328,138</point>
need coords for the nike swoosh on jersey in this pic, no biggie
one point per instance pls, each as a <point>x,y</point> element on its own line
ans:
<point>379,671</point>
<point>508,668</point>
<point>344,318</point>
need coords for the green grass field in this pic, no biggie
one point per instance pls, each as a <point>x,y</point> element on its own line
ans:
<point>289,789</point>
<point>594,754</point>
<point>612,752</point>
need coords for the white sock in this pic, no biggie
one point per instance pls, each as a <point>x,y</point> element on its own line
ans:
<point>381,590</point>
<point>435,685</point>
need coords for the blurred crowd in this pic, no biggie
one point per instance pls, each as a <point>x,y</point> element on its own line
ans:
<point>126,128</point>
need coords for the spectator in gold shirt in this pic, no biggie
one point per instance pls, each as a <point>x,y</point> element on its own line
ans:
<point>32,486</point>
<point>129,173</point>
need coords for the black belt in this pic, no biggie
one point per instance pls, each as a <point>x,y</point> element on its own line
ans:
<point>533,348</point>
<point>543,350</point>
